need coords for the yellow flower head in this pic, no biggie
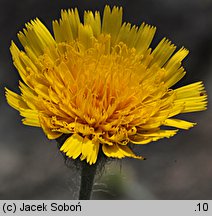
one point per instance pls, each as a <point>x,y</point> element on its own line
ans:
<point>100,82</point>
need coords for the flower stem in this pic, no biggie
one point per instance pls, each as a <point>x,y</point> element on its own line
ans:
<point>88,173</point>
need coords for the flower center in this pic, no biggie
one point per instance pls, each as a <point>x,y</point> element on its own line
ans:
<point>102,89</point>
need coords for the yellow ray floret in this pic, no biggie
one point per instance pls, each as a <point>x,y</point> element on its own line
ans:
<point>100,81</point>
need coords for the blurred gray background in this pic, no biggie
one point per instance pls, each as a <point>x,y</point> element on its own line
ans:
<point>177,168</point>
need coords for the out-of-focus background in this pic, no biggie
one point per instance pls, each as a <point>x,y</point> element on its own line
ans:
<point>177,168</point>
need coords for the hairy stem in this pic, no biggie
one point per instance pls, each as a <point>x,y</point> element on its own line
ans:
<point>88,173</point>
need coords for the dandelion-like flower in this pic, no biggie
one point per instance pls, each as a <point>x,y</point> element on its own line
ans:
<point>101,83</point>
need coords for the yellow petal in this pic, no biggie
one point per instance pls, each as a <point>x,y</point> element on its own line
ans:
<point>90,149</point>
<point>178,123</point>
<point>72,147</point>
<point>178,75</point>
<point>66,30</point>
<point>118,151</point>
<point>112,151</point>
<point>127,35</point>
<point>31,117</point>
<point>173,65</point>
<point>128,152</point>
<point>29,96</point>
<point>191,90</point>
<point>94,21</point>
<point>193,97</point>
<point>140,140</point>
<point>145,138</point>
<point>85,35</point>
<point>17,62</point>
<point>15,100</point>
<point>36,37</point>
<point>162,52</point>
<point>112,21</point>
<point>160,133</point>
<point>145,36</point>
